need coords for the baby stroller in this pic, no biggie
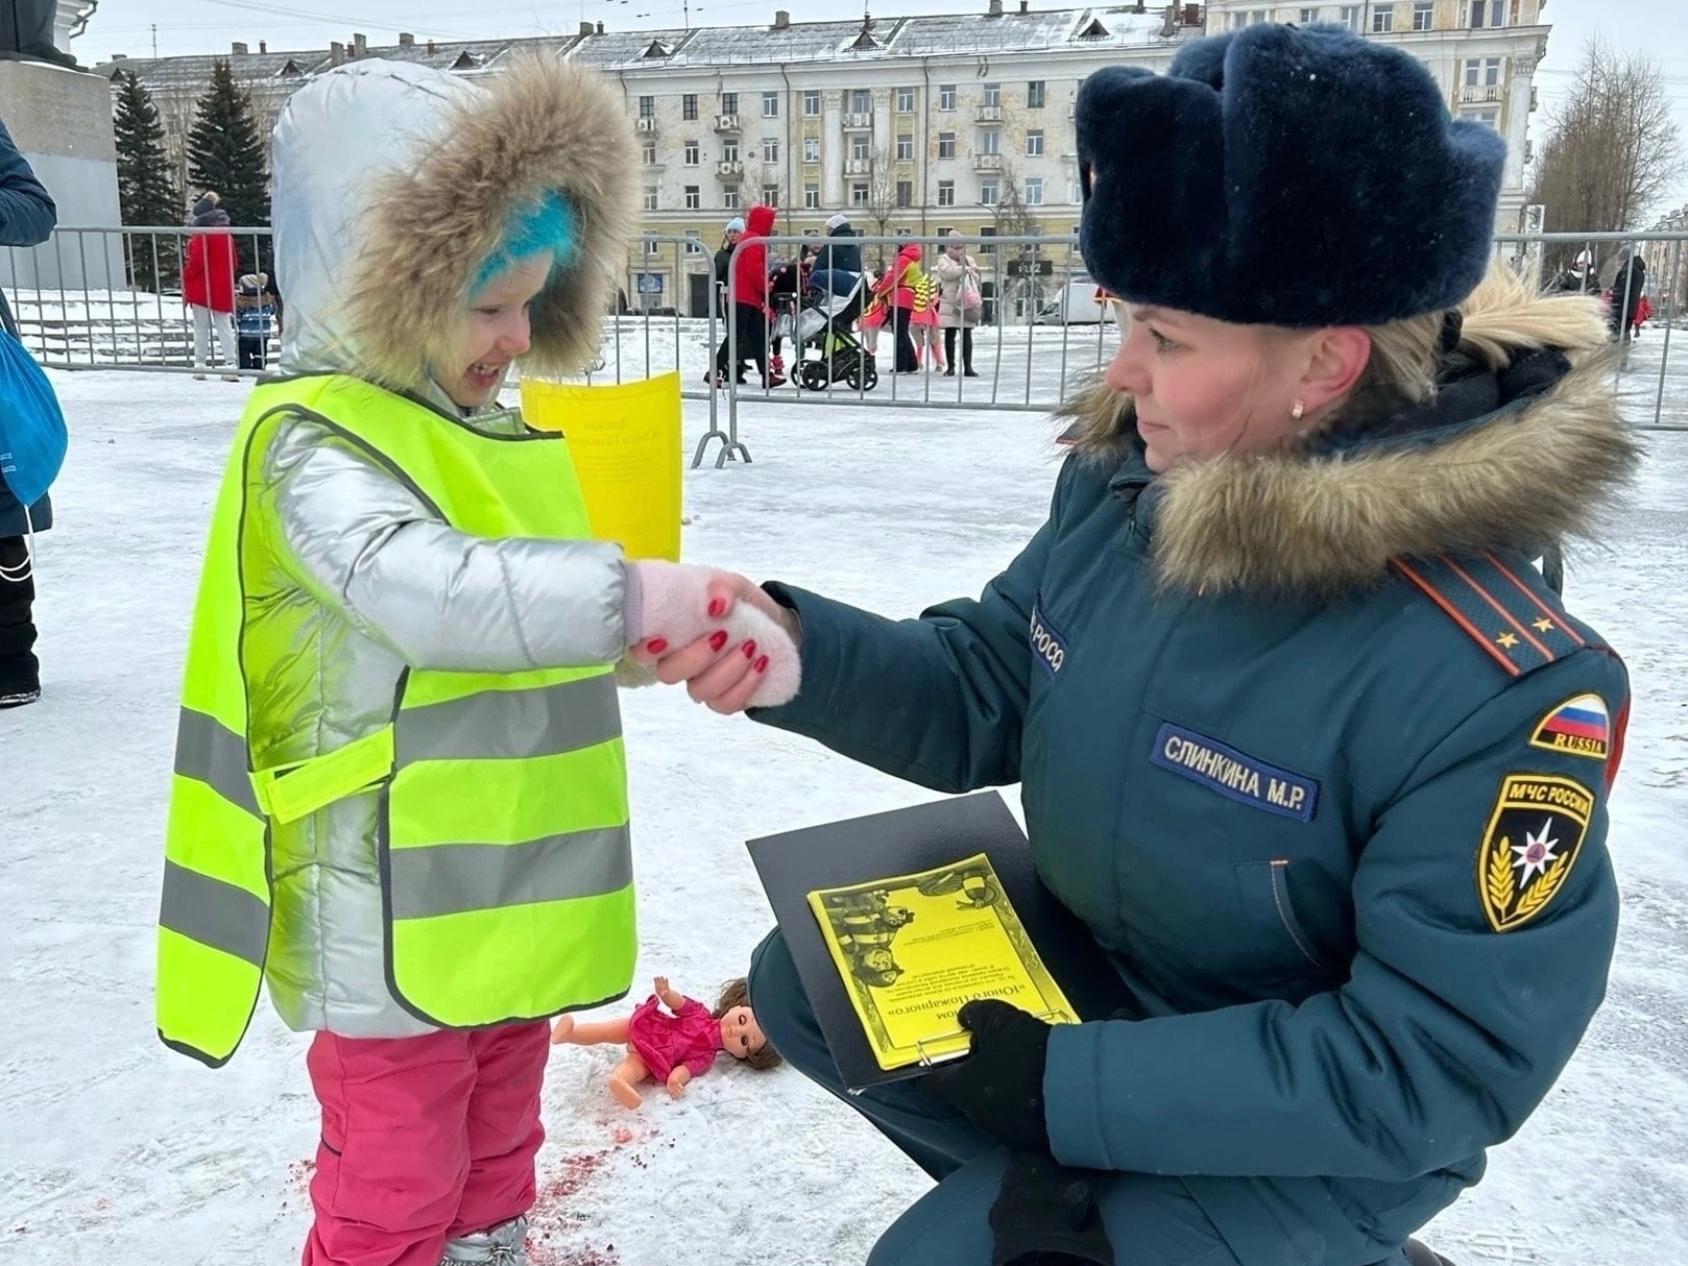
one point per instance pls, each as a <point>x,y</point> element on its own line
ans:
<point>823,326</point>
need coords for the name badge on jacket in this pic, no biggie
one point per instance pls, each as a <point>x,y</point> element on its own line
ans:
<point>1047,644</point>
<point>1235,774</point>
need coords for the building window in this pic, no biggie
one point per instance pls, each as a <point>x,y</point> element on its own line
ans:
<point>694,153</point>
<point>1309,17</point>
<point>858,194</point>
<point>770,149</point>
<point>905,147</point>
<point>1351,16</point>
<point>990,141</point>
<point>648,153</point>
<point>811,196</point>
<point>946,193</point>
<point>694,242</point>
<point>905,100</point>
<point>770,105</point>
<point>993,94</point>
<point>1034,191</point>
<point>986,248</point>
<point>1491,117</point>
<point>730,198</point>
<point>1075,192</point>
<point>859,148</point>
<point>1488,69</point>
<point>1034,144</point>
<point>652,246</point>
<point>729,149</point>
<point>770,195</point>
<point>861,101</point>
<point>990,193</point>
<point>1487,13</point>
<point>946,96</point>
<point>811,149</point>
<point>694,198</point>
<point>729,103</point>
<point>811,103</point>
<point>647,107</point>
<point>946,144</point>
<point>1383,20</point>
<point>905,193</point>
<point>1424,15</point>
<point>1035,94</point>
<point>688,107</point>
<point>650,197</point>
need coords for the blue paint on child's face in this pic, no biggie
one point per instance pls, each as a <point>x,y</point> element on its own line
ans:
<point>543,226</point>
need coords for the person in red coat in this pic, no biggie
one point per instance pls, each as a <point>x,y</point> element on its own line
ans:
<point>750,298</point>
<point>208,284</point>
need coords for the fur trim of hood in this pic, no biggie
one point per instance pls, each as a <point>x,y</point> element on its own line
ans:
<point>394,181</point>
<point>540,125</point>
<point>1296,520</point>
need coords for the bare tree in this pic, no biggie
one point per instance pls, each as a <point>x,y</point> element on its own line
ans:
<point>882,205</point>
<point>1611,152</point>
<point>1015,219</point>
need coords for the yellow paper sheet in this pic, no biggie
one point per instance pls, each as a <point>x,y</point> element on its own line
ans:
<point>913,949</point>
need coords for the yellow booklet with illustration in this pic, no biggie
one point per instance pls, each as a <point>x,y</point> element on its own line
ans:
<point>913,949</point>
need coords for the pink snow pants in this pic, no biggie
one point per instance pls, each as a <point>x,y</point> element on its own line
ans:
<point>423,1139</point>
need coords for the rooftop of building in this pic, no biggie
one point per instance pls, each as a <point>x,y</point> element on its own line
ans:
<point>1020,29</point>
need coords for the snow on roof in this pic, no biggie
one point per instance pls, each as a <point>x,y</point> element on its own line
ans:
<point>944,35</point>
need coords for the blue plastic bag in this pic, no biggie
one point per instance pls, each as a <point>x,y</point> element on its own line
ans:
<point>33,438</point>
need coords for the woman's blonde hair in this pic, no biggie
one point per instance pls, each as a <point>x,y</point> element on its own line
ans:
<point>1504,316</point>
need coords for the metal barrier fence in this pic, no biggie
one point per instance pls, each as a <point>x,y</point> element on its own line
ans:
<point>102,297</point>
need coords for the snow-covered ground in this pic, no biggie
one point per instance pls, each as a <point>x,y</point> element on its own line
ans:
<point>112,1149</point>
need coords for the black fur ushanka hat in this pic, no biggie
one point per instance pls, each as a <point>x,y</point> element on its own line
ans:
<point>1286,176</point>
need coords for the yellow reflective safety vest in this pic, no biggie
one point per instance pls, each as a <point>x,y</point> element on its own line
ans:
<point>506,875</point>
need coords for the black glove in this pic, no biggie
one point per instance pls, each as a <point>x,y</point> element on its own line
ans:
<point>999,1087</point>
<point>1046,1215</point>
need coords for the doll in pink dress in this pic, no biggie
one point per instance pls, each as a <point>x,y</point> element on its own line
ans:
<point>676,1045</point>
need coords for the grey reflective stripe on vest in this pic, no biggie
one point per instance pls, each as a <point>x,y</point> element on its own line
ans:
<point>214,913</point>
<point>209,751</point>
<point>455,878</point>
<point>546,721</point>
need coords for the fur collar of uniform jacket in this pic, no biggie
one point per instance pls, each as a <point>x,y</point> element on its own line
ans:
<point>1326,517</point>
<point>394,182</point>
<point>1285,176</point>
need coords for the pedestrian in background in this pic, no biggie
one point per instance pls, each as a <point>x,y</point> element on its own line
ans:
<point>208,284</point>
<point>27,217</point>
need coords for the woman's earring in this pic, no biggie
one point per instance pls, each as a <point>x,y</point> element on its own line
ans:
<point>1298,410</point>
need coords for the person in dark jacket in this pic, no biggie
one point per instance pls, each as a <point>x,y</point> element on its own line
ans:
<point>27,217</point>
<point>1628,287</point>
<point>838,267</point>
<point>724,262</point>
<point>1303,739</point>
<point>839,252</point>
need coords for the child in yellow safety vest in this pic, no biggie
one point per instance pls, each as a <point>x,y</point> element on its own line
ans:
<point>400,793</point>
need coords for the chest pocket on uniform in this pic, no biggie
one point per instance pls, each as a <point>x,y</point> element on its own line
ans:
<point>1283,943</point>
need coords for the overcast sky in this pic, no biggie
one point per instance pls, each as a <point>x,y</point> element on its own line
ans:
<point>1658,28</point>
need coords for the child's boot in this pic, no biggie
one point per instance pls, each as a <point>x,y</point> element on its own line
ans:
<point>504,1245</point>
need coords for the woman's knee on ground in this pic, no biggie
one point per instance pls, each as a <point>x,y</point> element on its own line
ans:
<point>1151,1221</point>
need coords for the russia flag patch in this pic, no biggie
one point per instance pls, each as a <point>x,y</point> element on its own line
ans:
<point>1579,727</point>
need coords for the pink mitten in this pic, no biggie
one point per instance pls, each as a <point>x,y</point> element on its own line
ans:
<point>673,604</point>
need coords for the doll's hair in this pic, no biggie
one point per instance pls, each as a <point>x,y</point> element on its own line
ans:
<point>736,993</point>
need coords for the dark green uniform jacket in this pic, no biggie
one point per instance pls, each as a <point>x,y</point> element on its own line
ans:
<point>1320,761</point>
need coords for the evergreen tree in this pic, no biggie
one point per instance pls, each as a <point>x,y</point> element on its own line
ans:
<point>226,153</point>
<point>144,188</point>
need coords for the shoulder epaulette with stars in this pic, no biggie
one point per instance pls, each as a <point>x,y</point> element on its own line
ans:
<point>1512,615</point>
